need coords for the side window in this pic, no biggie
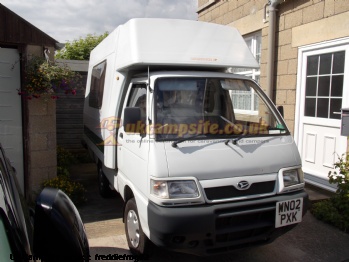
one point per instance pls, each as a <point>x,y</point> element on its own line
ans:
<point>97,85</point>
<point>138,98</point>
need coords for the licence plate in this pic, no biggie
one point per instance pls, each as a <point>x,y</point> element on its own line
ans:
<point>288,212</point>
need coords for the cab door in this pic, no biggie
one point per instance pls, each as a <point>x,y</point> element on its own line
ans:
<point>133,142</point>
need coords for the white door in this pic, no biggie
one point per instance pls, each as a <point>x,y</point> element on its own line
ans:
<point>323,93</point>
<point>11,110</point>
<point>133,144</point>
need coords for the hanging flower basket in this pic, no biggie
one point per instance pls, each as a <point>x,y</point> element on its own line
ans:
<point>46,79</point>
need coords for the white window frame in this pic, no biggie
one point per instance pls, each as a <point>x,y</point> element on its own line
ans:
<point>252,73</point>
<point>317,49</point>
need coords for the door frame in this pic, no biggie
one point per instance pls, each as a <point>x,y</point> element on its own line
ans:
<point>303,53</point>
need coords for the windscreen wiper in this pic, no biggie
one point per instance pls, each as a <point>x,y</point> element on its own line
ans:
<point>235,140</point>
<point>175,143</point>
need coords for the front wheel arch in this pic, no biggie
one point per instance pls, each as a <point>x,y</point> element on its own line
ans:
<point>128,194</point>
<point>137,241</point>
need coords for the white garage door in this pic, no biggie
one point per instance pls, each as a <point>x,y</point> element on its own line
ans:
<point>11,110</point>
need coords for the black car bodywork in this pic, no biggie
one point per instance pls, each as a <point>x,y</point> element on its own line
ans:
<point>53,231</point>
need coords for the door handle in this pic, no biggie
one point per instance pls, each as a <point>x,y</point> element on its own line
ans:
<point>121,135</point>
<point>337,113</point>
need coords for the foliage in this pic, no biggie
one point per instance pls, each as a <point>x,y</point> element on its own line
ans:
<point>74,190</point>
<point>335,210</point>
<point>44,78</point>
<point>341,179</point>
<point>64,157</point>
<point>63,172</point>
<point>80,49</point>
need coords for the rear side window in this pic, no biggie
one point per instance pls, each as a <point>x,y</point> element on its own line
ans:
<point>97,85</point>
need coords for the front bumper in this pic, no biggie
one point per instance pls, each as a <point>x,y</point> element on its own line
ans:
<point>220,228</point>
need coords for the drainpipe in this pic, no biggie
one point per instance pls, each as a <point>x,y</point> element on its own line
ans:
<point>271,46</point>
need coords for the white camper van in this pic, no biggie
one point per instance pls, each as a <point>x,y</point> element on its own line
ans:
<point>202,158</point>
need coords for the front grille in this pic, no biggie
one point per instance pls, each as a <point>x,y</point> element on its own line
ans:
<point>224,192</point>
<point>243,226</point>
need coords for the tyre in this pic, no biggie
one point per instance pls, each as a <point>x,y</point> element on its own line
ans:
<point>137,241</point>
<point>103,184</point>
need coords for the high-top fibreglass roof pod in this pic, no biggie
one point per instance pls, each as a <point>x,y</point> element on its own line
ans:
<point>142,42</point>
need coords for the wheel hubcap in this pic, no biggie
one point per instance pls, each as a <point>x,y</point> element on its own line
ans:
<point>133,228</point>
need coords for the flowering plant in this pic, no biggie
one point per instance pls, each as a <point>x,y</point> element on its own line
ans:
<point>43,78</point>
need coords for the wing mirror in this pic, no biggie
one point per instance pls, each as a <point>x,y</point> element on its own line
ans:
<point>132,116</point>
<point>59,234</point>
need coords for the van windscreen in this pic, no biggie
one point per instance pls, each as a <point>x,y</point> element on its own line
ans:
<point>214,107</point>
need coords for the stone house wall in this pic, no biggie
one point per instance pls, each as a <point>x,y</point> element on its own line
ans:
<point>299,23</point>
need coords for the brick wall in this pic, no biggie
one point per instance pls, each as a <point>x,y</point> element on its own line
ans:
<point>41,137</point>
<point>293,15</point>
<point>299,22</point>
<point>42,163</point>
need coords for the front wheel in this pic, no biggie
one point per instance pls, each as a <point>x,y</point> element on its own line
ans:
<point>137,241</point>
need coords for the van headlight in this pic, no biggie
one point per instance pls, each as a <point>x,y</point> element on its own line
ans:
<point>291,179</point>
<point>174,189</point>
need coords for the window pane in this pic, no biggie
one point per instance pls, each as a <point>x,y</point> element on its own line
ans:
<point>212,105</point>
<point>322,107</point>
<point>325,64</point>
<point>6,251</point>
<point>137,96</point>
<point>336,105</point>
<point>310,107</point>
<point>97,85</point>
<point>324,86</point>
<point>312,65</point>
<point>256,103</point>
<point>258,48</point>
<point>338,62</point>
<point>242,99</point>
<point>311,86</point>
<point>337,86</point>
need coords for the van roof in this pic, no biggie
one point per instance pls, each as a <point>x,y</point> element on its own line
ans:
<point>145,42</point>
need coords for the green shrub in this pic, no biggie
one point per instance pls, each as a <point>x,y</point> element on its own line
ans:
<point>64,157</point>
<point>335,210</point>
<point>63,172</point>
<point>74,190</point>
<point>330,212</point>
<point>341,178</point>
